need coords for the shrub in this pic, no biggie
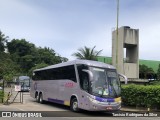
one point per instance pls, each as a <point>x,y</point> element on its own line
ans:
<point>1,95</point>
<point>140,95</point>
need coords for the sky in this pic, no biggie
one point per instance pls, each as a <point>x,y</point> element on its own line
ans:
<point>67,25</point>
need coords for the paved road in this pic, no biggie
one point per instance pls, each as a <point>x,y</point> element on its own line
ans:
<point>59,111</point>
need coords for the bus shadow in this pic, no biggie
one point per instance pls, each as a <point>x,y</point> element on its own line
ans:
<point>82,113</point>
<point>60,106</point>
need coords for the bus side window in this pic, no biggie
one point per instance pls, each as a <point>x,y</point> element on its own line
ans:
<point>68,72</point>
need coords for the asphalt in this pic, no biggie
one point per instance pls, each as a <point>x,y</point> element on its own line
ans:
<point>124,108</point>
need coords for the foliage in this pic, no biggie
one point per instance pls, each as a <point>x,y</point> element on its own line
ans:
<point>23,57</point>
<point>20,47</point>
<point>146,72</point>
<point>3,40</point>
<point>140,95</point>
<point>27,55</point>
<point>47,55</point>
<point>87,53</point>
<point>64,59</point>
<point>1,95</point>
<point>21,53</point>
<point>7,67</point>
<point>38,66</point>
<point>158,72</point>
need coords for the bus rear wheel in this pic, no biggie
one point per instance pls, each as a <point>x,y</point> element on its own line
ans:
<point>41,98</point>
<point>74,105</point>
<point>37,98</point>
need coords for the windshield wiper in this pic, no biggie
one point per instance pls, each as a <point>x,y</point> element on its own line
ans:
<point>112,87</point>
<point>102,91</point>
<point>114,90</point>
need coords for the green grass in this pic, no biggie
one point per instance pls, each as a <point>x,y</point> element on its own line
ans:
<point>149,63</point>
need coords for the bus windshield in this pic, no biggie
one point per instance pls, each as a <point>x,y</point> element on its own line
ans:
<point>105,82</point>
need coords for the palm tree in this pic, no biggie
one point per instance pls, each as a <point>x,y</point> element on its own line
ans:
<point>87,53</point>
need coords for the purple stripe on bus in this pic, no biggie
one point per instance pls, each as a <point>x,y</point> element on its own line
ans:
<point>56,101</point>
<point>105,99</point>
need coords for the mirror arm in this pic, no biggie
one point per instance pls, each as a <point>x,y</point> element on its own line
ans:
<point>90,74</point>
<point>125,78</point>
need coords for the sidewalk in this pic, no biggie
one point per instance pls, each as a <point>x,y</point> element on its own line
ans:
<point>138,109</point>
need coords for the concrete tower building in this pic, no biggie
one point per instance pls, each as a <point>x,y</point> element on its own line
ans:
<point>125,55</point>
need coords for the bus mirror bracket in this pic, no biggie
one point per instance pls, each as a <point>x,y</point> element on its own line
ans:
<point>124,77</point>
<point>89,73</point>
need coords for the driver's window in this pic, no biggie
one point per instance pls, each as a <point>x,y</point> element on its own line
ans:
<point>83,77</point>
<point>85,81</point>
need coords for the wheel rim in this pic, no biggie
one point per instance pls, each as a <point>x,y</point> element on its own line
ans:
<point>40,99</point>
<point>75,105</point>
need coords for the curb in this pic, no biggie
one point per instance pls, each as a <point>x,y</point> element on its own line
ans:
<point>138,109</point>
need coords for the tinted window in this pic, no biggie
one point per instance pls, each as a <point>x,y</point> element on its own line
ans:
<point>67,72</point>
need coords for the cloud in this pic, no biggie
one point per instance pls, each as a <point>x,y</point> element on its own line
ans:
<point>144,16</point>
<point>66,25</point>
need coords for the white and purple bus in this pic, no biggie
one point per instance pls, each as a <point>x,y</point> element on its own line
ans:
<point>80,84</point>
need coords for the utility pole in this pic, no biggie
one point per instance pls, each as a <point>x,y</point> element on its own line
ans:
<point>117,34</point>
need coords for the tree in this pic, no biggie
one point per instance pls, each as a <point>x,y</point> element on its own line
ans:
<point>27,55</point>
<point>20,47</point>
<point>64,59</point>
<point>37,66</point>
<point>22,53</point>
<point>47,55</point>
<point>158,72</point>
<point>3,40</point>
<point>87,53</point>
<point>145,72</point>
<point>23,57</point>
<point>8,68</point>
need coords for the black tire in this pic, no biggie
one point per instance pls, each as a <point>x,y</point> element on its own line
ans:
<point>37,97</point>
<point>74,105</point>
<point>41,98</point>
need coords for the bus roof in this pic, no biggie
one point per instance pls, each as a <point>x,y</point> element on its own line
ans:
<point>86,62</point>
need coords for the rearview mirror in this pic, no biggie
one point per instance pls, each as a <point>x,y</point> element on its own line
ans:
<point>89,73</point>
<point>124,77</point>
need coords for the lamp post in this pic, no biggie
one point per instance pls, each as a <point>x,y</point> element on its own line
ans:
<point>117,34</point>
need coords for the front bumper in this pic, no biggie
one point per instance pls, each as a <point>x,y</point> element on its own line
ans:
<point>97,105</point>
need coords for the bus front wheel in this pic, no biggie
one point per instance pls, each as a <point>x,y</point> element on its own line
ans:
<point>74,105</point>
